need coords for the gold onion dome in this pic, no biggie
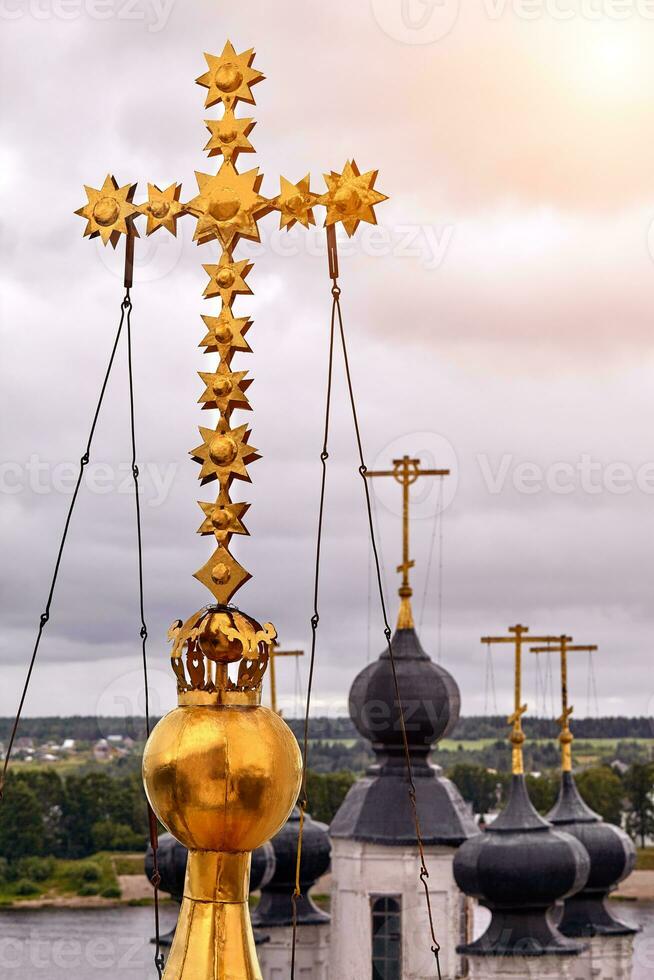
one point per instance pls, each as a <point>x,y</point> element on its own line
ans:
<point>222,774</point>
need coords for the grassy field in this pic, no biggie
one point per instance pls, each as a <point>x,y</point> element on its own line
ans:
<point>52,878</point>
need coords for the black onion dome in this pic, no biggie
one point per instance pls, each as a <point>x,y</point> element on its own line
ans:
<point>377,808</point>
<point>612,858</point>
<point>429,694</point>
<point>518,869</point>
<point>275,906</point>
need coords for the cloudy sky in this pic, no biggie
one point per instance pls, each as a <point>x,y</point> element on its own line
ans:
<point>500,322</point>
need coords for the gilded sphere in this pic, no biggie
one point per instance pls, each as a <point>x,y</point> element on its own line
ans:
<point>159,209</point>
<point>225,205</point>
<point>106,211</point>
<point>295,204</point>
<point>220,573</point>
<point>227,135</point>
<point>225,278</point>
<point>224,334</point>
<point>213,641</point>
<point>221,518</point>
<point>222,387</point>
<point>222,778</point>
<point>346,200</point>
<point>228,78</point>
<point>223,450</point>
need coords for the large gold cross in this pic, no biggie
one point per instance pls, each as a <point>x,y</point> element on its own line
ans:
<point>517,636</point>
<point>227,209</point>
<point>406,471</point>
<point>563,645</point>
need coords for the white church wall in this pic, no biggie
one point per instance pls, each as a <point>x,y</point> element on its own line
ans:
<point>608,958</point>
<point>311,953</point>
<point>525,968</point>
<point>363,871</point>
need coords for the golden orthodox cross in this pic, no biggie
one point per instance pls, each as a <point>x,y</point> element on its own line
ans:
<point>274,653</point>
<point>563,645</point>
<point>227,209</point>
<point>517,636</point>
<point>405,472</point>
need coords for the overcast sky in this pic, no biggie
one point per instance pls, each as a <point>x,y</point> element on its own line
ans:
<point>500,322</point>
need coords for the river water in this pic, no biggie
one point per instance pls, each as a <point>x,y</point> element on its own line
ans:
<point>71,944</point>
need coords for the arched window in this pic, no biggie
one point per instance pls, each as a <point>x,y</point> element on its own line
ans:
<point>386,937</point>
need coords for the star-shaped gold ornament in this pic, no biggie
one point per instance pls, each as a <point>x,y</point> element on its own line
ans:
<point>226,334</point>
<point>351,197</point>
<point>229,136</point>
<point>162,208</point>
<point>227,279</point>
<point>230,77</point>
<point>295,203</point>
<point>228,205</point>
<point>223,519</point>
<point>225,389</point>
<point>109,211</point>
<point>224,454</point>
<point>222,575</point>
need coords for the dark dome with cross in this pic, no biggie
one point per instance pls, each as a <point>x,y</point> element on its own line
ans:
<point>377,808</point>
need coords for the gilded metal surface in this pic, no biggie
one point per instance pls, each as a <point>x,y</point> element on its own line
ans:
<point>563,645</point>
<point>214,638</point>
<point>227,208</point>
<point>405,472</point>
<point>222,773</point>
<point>517,637</point>
<point>109,211</point>
<point>162,208</point>
<point>351,197</point>
<point>222,779</point>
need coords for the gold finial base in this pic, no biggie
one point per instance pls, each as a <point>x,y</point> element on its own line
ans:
<point>405,615</point>
<point>214,938</point>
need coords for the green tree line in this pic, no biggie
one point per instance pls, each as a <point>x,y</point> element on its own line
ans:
<point>90,728</point>
<point>627,799</point>
<point>45,815</point>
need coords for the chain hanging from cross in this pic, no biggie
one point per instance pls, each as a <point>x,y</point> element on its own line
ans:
<point>406,471</point>
<point>563,646</point>
<point>227,209</point>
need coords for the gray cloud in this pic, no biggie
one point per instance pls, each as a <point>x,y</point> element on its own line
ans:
<point>526,336</point>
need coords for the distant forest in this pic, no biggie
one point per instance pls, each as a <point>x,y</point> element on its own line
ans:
<point>90,728</point>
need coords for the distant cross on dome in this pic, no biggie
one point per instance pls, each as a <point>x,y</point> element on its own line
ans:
<point>274,653</point>
<point>517,636</point>
<point>406,471</point>
<point>563,645</point>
